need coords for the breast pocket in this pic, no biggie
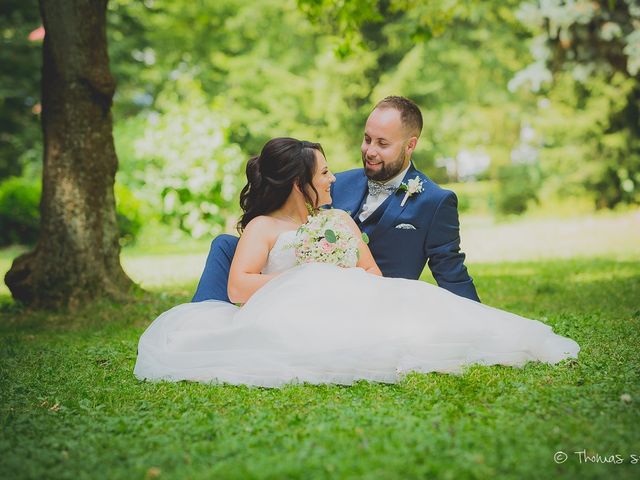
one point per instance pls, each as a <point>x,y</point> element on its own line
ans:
<point>405,226</point>
<point>406,236</point>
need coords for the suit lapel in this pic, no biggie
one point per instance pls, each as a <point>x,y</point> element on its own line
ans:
<point>393,209</point>
<point>356,196</point>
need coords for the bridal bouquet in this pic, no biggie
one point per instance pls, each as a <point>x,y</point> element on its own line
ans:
<point>326,238</point>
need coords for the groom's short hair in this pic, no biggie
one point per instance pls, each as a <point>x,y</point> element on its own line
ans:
<point>410,114</point>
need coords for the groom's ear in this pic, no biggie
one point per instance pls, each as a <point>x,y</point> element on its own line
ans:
<point>411,145</point>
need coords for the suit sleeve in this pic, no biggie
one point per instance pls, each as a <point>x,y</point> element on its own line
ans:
<point>442,250</point>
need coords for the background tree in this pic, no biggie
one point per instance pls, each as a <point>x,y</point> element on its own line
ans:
<point>77,254</point>
<point>591,113</point>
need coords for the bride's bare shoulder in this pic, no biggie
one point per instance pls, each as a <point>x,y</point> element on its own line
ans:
<point>262,225</point>
<point>263,230</point>
<point>262,220</point>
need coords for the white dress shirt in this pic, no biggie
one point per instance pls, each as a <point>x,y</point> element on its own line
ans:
<point>374,201</point>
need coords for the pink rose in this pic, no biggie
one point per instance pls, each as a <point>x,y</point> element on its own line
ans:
<point>326,246</point>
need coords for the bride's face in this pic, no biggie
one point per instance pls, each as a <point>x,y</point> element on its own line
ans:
<point>322,180</point>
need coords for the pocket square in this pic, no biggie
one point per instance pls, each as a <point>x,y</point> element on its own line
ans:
<point>405,226</point>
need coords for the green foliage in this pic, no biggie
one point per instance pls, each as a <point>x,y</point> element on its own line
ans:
<point>459,79</point>
<point>130,214</point>
<point>243,71</point>
<point>517,186</point>
<point>287,81</point>
<point>464,203</point>
<point>589,140</point>
<point>211,109</point>
<point>354,20</point>
<point>330,236</point>
<point>593,50</point>
<point>587,36</point>
<point>475,197</point>
<point>70,406</point>
<point>19,211</point>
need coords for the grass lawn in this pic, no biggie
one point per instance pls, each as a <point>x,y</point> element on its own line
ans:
<point>71,408</point>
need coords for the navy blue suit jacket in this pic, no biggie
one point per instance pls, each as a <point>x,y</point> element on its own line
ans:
<point>403,252</point>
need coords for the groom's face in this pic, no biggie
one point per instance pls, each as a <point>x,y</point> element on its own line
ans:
<point>387,146</point>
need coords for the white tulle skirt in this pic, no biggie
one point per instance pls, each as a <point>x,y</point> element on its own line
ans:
<point>320,323</point>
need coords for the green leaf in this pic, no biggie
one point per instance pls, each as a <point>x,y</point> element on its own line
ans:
<point>330,236</point>
<point>365,238</point>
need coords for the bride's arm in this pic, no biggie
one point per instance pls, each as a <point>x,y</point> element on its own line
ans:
<point>366,259</point>
<point>250,257</point>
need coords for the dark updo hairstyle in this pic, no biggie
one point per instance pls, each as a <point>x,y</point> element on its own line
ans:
<point>271,176</point>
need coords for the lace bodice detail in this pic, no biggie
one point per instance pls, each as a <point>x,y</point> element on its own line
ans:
<point>282,255</point>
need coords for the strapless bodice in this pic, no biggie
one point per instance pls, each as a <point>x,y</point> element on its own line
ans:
<point>282,255</point>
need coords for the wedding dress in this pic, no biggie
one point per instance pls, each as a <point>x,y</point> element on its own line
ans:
<point>320,323</point>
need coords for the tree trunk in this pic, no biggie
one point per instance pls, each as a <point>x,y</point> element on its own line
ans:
<point>77,255</point>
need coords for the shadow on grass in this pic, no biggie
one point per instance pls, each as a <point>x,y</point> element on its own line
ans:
<point>139,311</point>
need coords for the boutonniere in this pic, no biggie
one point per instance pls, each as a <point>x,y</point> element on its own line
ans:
<point>413,186</point>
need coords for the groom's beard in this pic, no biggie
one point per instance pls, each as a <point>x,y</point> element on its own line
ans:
<point>388,170</point>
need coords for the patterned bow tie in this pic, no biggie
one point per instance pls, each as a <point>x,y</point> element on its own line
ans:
<point>376,188</point>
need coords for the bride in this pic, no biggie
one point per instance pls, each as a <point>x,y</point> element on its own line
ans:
<point>306,318</point>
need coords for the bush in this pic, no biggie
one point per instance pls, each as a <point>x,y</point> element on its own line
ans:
<point>464,203</point>
<point>20,212</point>
<point>517,186</point>
<point>180,160</point>
<point>129,214</point>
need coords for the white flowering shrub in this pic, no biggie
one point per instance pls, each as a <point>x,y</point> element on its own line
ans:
<point>179,161</point>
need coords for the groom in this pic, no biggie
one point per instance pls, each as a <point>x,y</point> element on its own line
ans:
<point>409,219</point>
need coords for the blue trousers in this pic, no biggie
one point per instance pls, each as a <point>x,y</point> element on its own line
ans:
<point>213,283</point>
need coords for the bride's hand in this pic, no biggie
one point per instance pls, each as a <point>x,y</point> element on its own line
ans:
<point>365,260</point>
